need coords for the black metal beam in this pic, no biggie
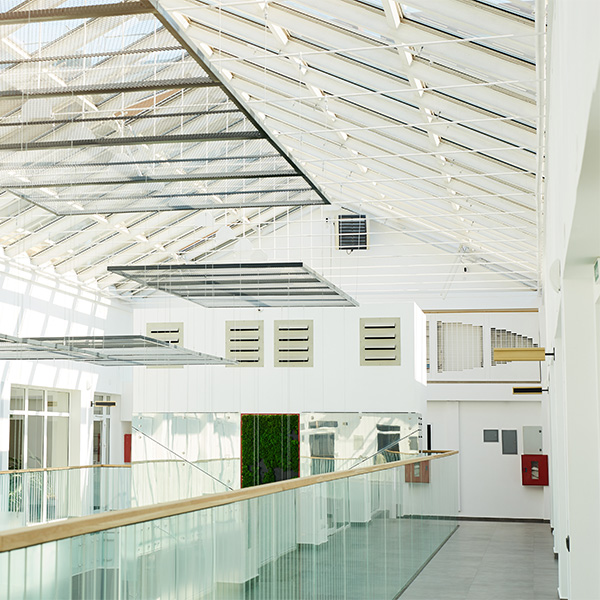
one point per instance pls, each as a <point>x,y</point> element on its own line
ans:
<point>106,54</point>
<point>136,141</point>
<point>270,267</point>
<point>148,198</point>
<point>111,88</point>
<point>90,11</point>
<point>133,162</point>
<point>175,179</point>
<point>167,21</point>
<point>199,113</point>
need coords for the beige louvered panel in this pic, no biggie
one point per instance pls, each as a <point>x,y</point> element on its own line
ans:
<point>293,343</point>
<point>166,332</point>
<point>245,343</point>
<point>380,341</point>
<point>172,333</point>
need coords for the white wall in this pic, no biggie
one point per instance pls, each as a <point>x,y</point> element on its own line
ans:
<point>336,382</point>
<point>38,303</point>
<point>572,317</point>
<point>490,482</point>
<point>460,404</point>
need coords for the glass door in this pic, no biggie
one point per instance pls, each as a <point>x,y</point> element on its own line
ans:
<point>101,431</point>
<point>101,445</point>
<point>38,440</point>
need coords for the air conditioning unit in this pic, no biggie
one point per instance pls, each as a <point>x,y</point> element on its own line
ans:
<point>352,232</point>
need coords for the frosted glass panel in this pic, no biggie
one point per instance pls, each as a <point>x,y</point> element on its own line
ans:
<point>58,441</point>
<point>35,442</point>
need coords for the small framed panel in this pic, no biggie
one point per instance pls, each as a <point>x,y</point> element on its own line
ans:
<point>490,435</point>
<point>509,441</point>
<point>532,439</point>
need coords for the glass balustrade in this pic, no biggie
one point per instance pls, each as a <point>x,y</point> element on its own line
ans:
<point>359,534</point>
<point>38,496</point>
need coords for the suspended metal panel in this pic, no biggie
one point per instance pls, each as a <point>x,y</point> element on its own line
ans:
<point>240,284</point>
<point>109,350</point>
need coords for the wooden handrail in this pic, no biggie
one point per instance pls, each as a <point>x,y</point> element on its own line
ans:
<point>12,472</point>
<point>49,532</point>
<point>126,465</point>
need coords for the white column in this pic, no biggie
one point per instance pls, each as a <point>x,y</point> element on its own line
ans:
<point>583,433</point>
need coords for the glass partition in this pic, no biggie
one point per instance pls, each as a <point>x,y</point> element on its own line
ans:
<point>359,536</point>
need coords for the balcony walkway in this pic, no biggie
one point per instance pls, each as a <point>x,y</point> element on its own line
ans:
<point>491,561</point>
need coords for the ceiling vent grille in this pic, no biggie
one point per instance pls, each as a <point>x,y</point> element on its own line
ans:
<point>245,342</point>
<point>352,232</point>
<point>502,338</point>
<point>172,333</point>
<point>460,346</point>
<point>380,342</point>
<point>293,343</point>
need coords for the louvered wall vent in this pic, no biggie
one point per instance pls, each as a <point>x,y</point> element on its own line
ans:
<point>172,333</point>
<point>245,342</point>
<point>380,342</point>
<point>502,338</point>
<point>293,343</point>
<point>352,232</point>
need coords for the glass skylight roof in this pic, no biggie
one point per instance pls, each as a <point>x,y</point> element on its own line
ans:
<point>116,97</point>
<point>421,114</point>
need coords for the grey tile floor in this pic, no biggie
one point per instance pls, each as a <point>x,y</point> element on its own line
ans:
<point>373,561</point>
<point>491,561</point>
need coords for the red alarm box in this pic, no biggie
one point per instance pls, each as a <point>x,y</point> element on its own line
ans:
<point>127,448</point>
<point>417,472</point>
<point>534,469</point>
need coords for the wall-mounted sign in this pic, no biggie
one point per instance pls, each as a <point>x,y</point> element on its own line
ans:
<point>105,403</point>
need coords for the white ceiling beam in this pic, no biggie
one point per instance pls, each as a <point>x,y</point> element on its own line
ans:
<point>470,134</point>
<point>474,162</point>
<point>443,47</point>
<point>382,58</point>
<point>484,18</point>
<point>438,44</point>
